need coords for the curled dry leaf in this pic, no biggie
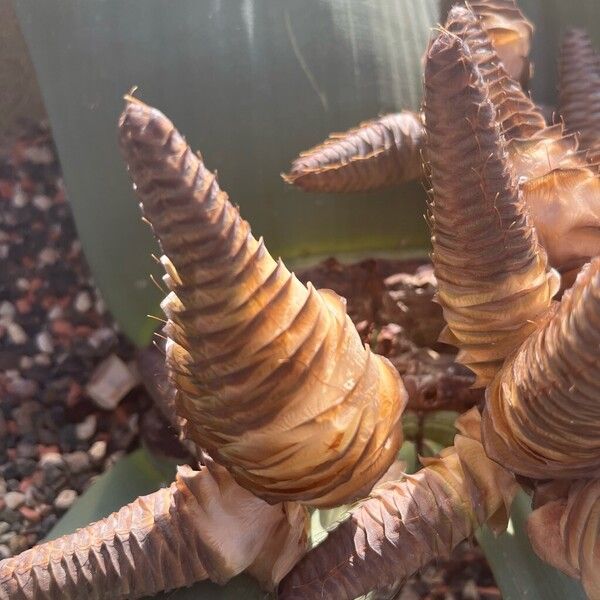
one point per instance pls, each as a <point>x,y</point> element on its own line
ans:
<point>565,532</point>
<point>271,375</point>
<point>404,524</point>
<point>579,89</point>
<point>542,418</point>
<point>493,279</point>
<point>168,539</point>
<point>380,153</point>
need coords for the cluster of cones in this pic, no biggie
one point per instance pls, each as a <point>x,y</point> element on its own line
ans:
<point>273,384</point>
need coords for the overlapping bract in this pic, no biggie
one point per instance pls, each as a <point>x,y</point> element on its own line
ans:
<point>168,539</point>
<point>579,87</point>
<point>542,416</point>
<point>377,154</point>
<point>406,523</point>
<point>565,532</point>
<point>493,280</point>
<point>271,376</point>
<point>507,28</point>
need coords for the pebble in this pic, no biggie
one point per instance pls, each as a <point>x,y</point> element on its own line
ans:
<point>111,381</point>
<point>42,202</point>
<point>77,461</point>
<point>4,527</point>
<point>22,388</point>
<point>86,429</point>
<point>4,552</point>
<point>48,256</point>
<point>97,451</point>
<point>30,514</point>
<point>16,333</point>
<point>7,310</point>
<point>43,360</point>
<point>83,302</point>
<point>44,342</point>
<point>41,155</point>
<point>26,363</point>
<point>14,500</point>
<point>19,197</point>
<point>65,499</point>
<point>56,312</point>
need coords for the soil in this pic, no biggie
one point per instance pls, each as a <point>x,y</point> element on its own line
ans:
<point>55,332</point>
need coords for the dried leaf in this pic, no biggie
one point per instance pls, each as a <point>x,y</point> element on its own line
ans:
<point>579,87</point>
<point>171,538</point>
<point>542,418</point>
<point>377,154</point>
<point>271,375</point>
<point>493,279</point>
<point>404,524</point>
<point>566,533</point>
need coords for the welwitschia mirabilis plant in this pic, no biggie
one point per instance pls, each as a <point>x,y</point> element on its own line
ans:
<point>272,380</point>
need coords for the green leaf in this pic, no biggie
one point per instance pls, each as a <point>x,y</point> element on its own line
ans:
<point>137,474</point>
<point>250,84</point>
<point>518,571</point>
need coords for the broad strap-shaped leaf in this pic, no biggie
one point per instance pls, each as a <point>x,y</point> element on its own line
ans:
<point>204,526</point>
<point>494,283</point>
<point>377,154</point>
<point>565,532</point>
<point>271,375</point>
<point>579,89</point>
<point>404,524</point>
<point>542,416</point>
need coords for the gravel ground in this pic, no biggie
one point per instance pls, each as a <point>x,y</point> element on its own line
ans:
<point>57,435</point>
<point>54,333</point>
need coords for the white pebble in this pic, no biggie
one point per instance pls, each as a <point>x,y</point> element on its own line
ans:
<point>100,306</point>
<point>48,256</point>
<point>7,310</point>
<point>56,312</point>
<point>41,155</point>
<point>97,451</point>
<point>25,363</point>
<point>44,342</point>
<point>83,302</point>
<point>43,360</point>
<point>22,284</point>
<point>14,500</point>
<point>42,202</point>
<point>19,198</point>
<point>16,333</point>
<point>86,429</point>
<point>65,499</point>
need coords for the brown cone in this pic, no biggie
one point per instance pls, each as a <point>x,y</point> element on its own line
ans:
<point>271,376</point>
<point>377,154</point>
<point>493,278</point>
<point>542,416</point>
